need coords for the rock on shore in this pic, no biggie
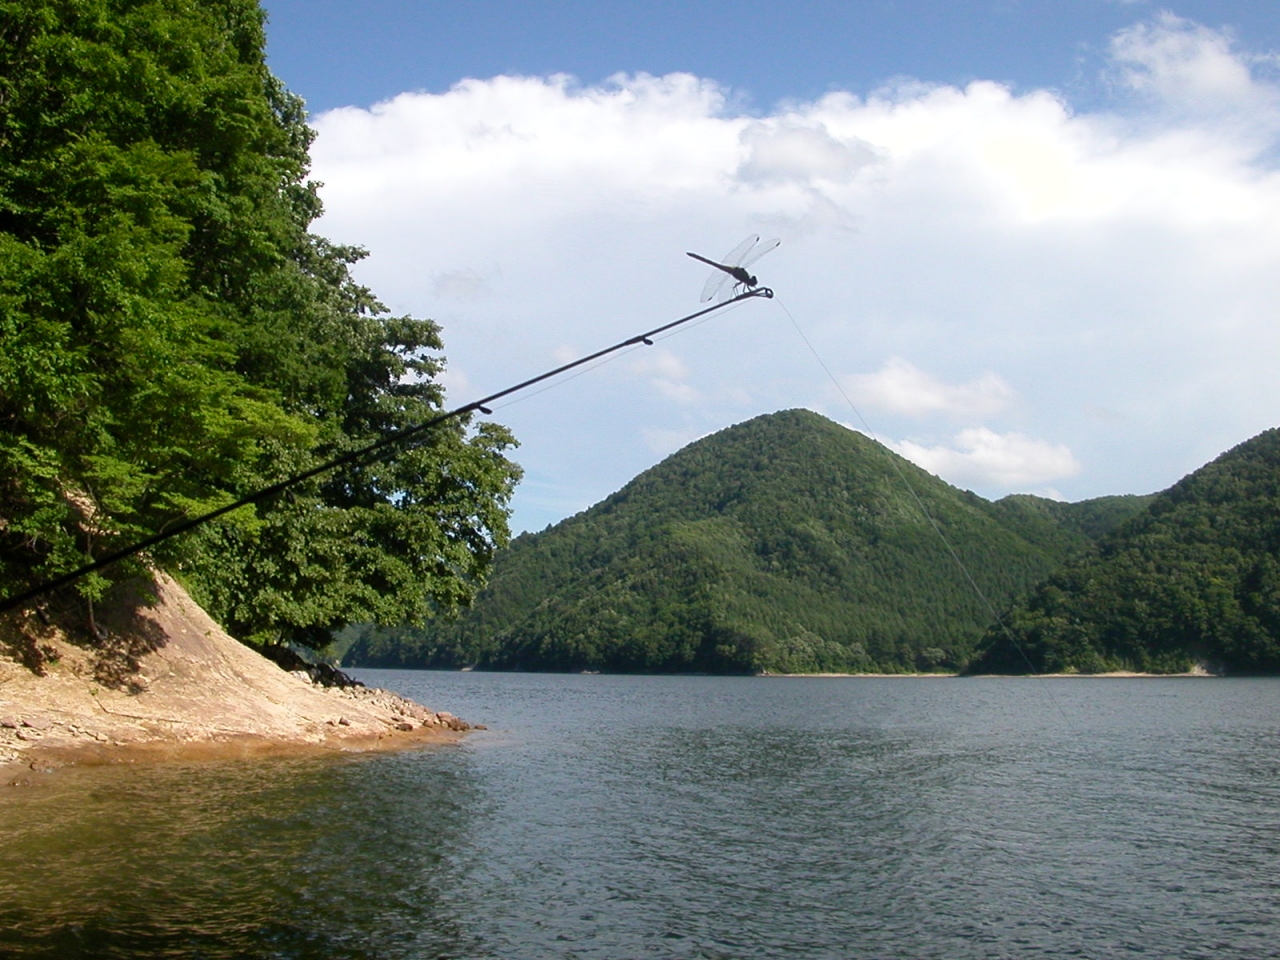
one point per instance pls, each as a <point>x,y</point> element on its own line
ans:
<point>167,681</point>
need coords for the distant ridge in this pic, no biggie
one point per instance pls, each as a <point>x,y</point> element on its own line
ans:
<point>1193,581</point>
<point>787,543</point>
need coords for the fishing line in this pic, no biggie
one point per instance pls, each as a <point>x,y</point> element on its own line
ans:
<point>906,482</point>
<point>603,362</point>
<point>367,454</point>
<point>732,305</point>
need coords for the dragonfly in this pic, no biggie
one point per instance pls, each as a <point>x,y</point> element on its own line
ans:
<point>733,265</point>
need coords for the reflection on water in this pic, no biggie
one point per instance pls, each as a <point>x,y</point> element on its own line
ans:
<point>288,858</point>
<point>608,817</point>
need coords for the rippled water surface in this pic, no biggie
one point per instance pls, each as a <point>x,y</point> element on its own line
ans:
<point>616,817</point>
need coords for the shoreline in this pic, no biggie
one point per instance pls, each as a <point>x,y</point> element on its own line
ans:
<point>61,756</point>
<point>167,683</point>
<point>1112,675</point>
<point>768,674</point>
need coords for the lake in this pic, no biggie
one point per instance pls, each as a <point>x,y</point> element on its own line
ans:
<point>689,817</point>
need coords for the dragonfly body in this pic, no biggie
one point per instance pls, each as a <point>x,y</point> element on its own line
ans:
<point>734,265</point>
<point>740,275</point>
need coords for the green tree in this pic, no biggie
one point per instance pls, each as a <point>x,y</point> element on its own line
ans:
<point>174,336</point>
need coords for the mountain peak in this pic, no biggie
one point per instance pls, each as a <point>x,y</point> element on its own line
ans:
<point>784,543</point>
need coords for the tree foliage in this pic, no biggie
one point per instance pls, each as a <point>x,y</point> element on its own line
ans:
<point>1193,579</point>
<point>174,336</point>
<point>787,543</point>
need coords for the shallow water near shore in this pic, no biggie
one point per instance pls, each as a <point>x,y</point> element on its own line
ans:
<point>686,817</point>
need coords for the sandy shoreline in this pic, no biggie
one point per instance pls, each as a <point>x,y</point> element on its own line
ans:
<point>170,684</point>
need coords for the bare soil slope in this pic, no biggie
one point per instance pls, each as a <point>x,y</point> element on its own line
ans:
<point>166,681</point>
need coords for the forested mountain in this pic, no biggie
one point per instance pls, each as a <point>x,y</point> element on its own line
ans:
<point>1193,579</point>
<point>787,543</point>
<point>173,337</point>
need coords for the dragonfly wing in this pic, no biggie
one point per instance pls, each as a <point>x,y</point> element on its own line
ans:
<point>715,285</point>
<point>734,257</point>
<point>718,283</point>
<point>758,251</point>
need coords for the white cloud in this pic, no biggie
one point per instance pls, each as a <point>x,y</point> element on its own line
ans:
<point>463,284</point>
<point>677,392</point>
<point>1184,63</point>
<point>667,373</point>
<point>903,388</point>
<point>565,354</point>
<point>657,362</point>
<point>1125,261</point>
<point>789,150</point>
<point>982,457</point>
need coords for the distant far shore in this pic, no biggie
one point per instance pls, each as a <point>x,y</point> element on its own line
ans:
<point>1197,673</point>
<point>1112,675</point>
<point>770,673</point>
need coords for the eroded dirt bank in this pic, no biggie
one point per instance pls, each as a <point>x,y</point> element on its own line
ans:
<point>166,681</point>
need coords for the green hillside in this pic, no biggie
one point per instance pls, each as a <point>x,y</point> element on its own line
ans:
<point>787,543</point>
<point>1194,579</point>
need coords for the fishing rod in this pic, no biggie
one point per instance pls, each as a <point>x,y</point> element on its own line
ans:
<point>353,456</point>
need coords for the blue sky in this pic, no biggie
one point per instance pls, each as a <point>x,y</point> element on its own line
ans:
<point>1037,243</point>
<point>342,52</point>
